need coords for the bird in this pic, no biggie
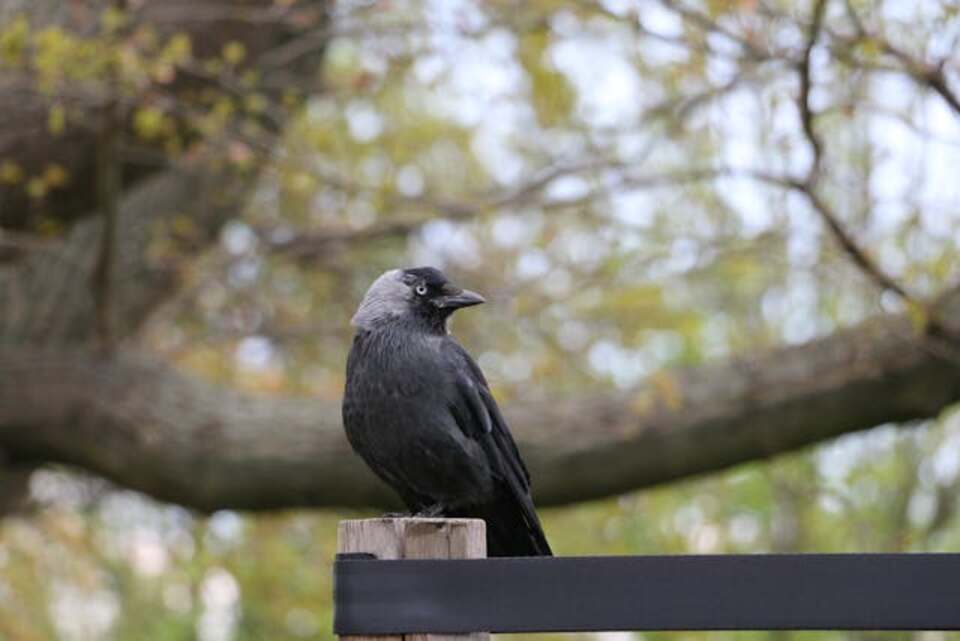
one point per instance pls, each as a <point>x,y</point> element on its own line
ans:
<point>418,410</point>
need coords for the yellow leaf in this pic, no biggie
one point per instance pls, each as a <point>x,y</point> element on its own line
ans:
<point>223,108</point>
<point>57,119</point>
<point>918,315</point>
<point>164,73</point>
<point>234,52</point>
<point>667,390</point>
<point>302,182</point>
<point>183,226</point>
<point>149,123</point>
<point>550,94</point>
<point>36,188</point>
<point>178,49</point>
<point>870,48</point>
<point>10,172</point>
<point>642,402</point>
<point>113,19</point>
<point>55,175</point>
<point>256,103</point>
<point>13,39</point>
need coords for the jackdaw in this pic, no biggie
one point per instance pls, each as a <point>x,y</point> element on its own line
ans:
<point>419,411</point>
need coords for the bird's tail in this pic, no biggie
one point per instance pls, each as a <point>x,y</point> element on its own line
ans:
<point>511,529</point>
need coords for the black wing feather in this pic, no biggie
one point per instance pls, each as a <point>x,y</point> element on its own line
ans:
<point>504,439</point>
<point>490,430</point>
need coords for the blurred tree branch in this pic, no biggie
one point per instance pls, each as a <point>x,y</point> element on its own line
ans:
<point>806,82</point>
<point>810,185</point>
<point>149,427</point>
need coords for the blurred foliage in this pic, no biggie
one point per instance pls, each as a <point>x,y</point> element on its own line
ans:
<point>537,152</point>
<point>97,563</point>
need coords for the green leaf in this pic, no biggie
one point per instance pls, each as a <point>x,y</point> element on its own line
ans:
<point>13,40</point>
<point>234,52</point>
<point>57,119</point>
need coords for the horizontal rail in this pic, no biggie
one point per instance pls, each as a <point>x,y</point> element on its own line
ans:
<point>573,594</point>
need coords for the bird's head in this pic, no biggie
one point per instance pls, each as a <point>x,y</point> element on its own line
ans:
<point>421,296</point>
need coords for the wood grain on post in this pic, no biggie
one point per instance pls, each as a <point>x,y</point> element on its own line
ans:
<point>413,538</point>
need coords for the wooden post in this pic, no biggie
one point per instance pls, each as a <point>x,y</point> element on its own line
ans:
<point>413,538</point>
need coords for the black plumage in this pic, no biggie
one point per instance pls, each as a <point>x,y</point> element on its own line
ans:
<point>419,411</point>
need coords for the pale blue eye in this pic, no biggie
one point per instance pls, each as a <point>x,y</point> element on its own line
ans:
<point>421,290</point>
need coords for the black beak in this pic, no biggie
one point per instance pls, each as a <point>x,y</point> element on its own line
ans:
<point>455,298</point>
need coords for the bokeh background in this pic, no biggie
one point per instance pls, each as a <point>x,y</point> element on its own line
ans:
<point>201,191</point>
